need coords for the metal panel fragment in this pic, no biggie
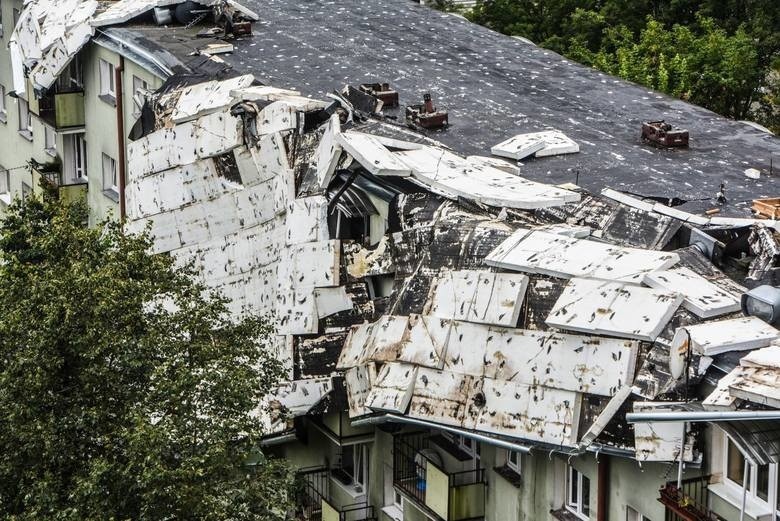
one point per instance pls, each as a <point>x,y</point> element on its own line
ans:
<point>359,381</point>
<point>613,308</point>
<point>713,338</point>
<point>661,441</point>
<point>702,297</point>
<point>372,154</point>
<point>393,388</point>
<point>560,256</point>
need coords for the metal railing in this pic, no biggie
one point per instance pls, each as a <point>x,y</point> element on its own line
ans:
<point>313,489</point>
<point>689,501</point>
<point>410,469</point>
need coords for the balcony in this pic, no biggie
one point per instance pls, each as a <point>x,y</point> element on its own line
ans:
<point>49,177</point>
<point>447,496</point>
<point>689,501</point>
<point>63,110</point>
<point>315,503</point>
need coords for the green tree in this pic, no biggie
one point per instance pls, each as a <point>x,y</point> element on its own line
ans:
<point>126,390</point>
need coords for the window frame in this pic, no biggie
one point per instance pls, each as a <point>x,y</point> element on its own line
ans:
<point>469,446</point>
<point>516,466</point>
<point>576,507</point>
<point>25,119</point>
<point>3,105</point>
<point>5,179</point>
<point>139,84</point>
<point>638,516</point>
<point>772,500</point>
<point>114,186</point>
<point>49,147</point>
<point>106,74</point>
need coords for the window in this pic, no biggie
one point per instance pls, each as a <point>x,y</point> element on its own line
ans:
<point>72,78</point>
<point>25,119</point>
<point>513,460</point>
<point>109,174</point>
<point>5,181</point>
<point>467,445</point>
<point>354,466</point>
<point>75,160</point>
<point>140,88</point>
<point>763,482</point>
<point>577,493</point>
<point>107,86</point>
<point>50,140</point>
<point>633,514</point>
<point>26,191</point>
<point>3,109</point>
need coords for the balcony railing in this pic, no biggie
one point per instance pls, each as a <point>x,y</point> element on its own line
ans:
<point>63,110</point>
<point>689,501</point>
<point>314,501</point>
<point>449,496</point>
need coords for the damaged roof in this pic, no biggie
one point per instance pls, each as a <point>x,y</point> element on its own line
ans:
<point>495,87</point>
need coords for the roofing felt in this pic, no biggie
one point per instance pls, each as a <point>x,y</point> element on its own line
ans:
<point>496,86</point>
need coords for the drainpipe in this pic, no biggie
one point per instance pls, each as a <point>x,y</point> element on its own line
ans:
<point>120,135</point>
<point>602,492</point>
<point>700,416</point>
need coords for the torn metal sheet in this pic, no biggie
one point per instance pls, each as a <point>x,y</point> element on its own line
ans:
<point>359,381</point>
<point>366,262</point>
<point>209,136</point>
<point>298,397</point>
<point>426,344</point>
<point>606,415</point>
<point>482,297</point>
<point>328,152</point>
<point>702,297</point>
<point>586,364</point>
<point>721,398</point>
<point>758,377</point>
<point>712,338</point>
<point>613,308</point>
<point>440,396</point>
<point>452,176</point>
<point>372,154</point>
<point>331,301</point>
<point>661,441</point>
<point>540,144</point>
<point>393,388</point>
<point>560,256</point>
<point>198,100</point>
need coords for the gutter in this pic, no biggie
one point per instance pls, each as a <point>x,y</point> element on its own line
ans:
<point>700,416</point>
<point>376,420</point>
<point>120,137</point>
<point>278,440</point>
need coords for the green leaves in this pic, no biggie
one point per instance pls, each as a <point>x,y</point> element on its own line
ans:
<point>126,388</point>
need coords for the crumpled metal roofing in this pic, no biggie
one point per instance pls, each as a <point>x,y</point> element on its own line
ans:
<point>248,198</point>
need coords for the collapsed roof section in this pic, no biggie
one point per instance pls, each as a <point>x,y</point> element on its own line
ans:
<point>422,283</point>
<point>49,33</point>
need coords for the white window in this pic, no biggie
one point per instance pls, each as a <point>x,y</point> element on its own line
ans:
<point>5,181</point>
<point>3,109</point>
<point>25,119</point>
<point>633,514</point>
<point>513,460</point>
<point>354,465</point>
<point>76,157</point>
<point>467,445</point>
<point>50,140</point>
<point>109,174</point>
<point>140,89</point>
<point>763,482</point>
<point>107,86</point>
<point>577,493</point>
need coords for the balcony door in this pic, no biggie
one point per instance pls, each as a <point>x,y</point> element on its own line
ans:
<point>74,160</point>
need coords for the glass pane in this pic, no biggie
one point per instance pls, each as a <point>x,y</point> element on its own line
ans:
<point>585,495</point>
<point>573,490</point>
<point>762,482</point>
<point>735,464</point>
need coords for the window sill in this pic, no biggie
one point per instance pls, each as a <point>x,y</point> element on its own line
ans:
<point>3,117</point>
<point>112,194</point>
<point>357,495</point>
<point>109,99</point>
<point>564,514</point>
<point>26,134</point>
<point>394,512</point>
<point>509,474</point>
<point>51,151</point>
<point>5,198</point>
<point>732,495</point>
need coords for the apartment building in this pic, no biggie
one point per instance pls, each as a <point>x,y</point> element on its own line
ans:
<point>425,295</point>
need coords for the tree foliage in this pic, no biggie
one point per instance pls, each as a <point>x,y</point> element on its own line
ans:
<point>125,388</point>
<point>721,54</point>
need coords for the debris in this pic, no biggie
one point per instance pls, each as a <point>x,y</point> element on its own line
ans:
<point>661,441</point>
<point>426,115</point>
<point>702,297</point>
<point>767,208</point>
<point>615,309</point>
<point>540,144</point>
<point>662,134</point>
<point>383,92</point>
<point>752,173</point>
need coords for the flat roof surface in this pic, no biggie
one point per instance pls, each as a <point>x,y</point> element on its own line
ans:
<point>495,86</point>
